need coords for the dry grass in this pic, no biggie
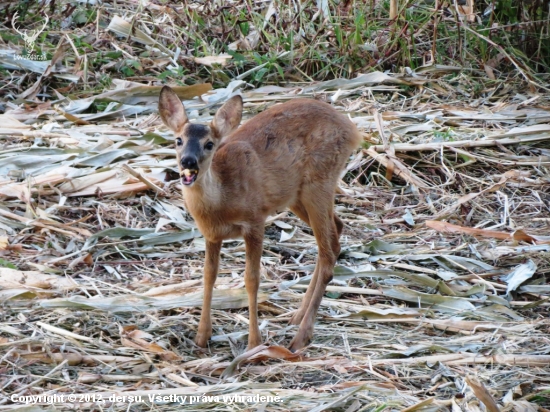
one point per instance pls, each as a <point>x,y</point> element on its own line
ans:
<point>439,301</point>
<point>101,303</point>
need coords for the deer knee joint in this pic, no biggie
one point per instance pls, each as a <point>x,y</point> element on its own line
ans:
<point>327,277</point>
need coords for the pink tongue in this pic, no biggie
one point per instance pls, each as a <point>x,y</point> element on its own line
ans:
<point>189,179</point>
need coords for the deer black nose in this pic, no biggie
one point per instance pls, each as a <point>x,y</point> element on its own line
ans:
<point>189,162</point>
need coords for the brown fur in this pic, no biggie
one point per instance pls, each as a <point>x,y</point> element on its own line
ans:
<point>289,156</point>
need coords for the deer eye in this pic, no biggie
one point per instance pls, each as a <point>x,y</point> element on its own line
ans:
<point>179,142</point>
<point>209,146</point>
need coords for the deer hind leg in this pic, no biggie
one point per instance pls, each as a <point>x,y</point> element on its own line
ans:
<point>326,230</point>
<point>299,210</point>
<point>254,246</point>
<point>339,226</point>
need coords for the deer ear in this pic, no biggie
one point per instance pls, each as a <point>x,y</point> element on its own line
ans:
<point>171,109</point>
<point>229,116</point>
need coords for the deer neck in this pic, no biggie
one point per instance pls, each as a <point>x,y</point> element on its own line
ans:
<point>204,195</point>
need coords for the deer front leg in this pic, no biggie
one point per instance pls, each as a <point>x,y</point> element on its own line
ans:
<point>254,246</point>
<point>210,273</point>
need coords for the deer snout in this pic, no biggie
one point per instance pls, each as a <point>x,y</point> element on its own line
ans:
<point>189,162</point>
<point>189,170</point>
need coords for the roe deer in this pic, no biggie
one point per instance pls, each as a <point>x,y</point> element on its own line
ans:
<point>234,178</point>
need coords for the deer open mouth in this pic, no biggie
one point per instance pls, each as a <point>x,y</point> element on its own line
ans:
<point>188,176</point>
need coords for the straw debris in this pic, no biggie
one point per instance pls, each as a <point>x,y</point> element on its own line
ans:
<point>440,297</point>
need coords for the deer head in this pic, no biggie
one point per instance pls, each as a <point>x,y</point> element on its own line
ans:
<point>197,143</point>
